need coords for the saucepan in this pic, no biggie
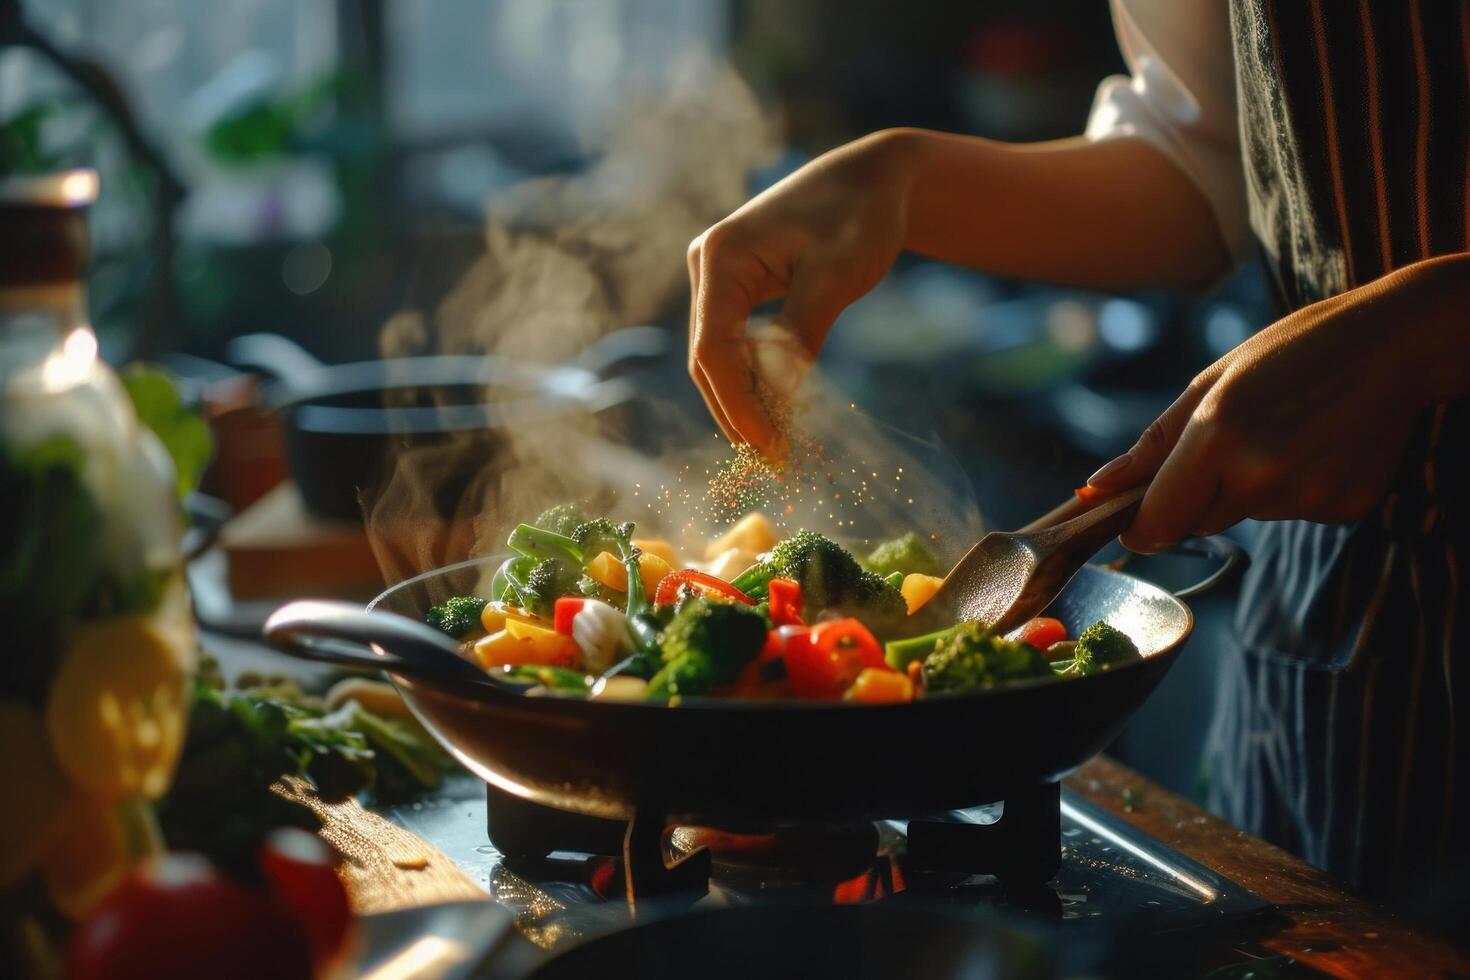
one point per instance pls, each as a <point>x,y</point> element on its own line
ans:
<point>342,421</point>
<point>735,763</point>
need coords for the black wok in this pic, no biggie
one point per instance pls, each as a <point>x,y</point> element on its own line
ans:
<point>730,763</point>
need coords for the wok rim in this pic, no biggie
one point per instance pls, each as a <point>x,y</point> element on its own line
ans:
<point>408,686</point>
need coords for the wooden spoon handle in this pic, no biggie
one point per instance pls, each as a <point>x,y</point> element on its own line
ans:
<point>1089,531</point>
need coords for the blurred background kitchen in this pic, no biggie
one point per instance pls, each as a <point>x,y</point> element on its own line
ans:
<point>370,178</point>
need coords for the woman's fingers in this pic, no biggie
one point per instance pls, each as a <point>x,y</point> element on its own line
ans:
<point>1185,489</point>
<point>1141,462</point>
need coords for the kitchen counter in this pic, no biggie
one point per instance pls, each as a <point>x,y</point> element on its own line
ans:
<point>1324,927</point>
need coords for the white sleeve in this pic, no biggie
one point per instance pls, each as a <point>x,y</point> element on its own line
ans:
<point>1181,98</point>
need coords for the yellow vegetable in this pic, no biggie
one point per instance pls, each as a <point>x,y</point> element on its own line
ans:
<point>879,685</point>
<point>659,547</point>
<point>526,643</point>
<point>609,571</point>
<point>88,854</point>
<point>730,564</point>
<point>375,696</point>
<point>753,533</point>
<point>494,615</point>
<point>115,711</point>
<point>36,786</point>
<point>918,589</point>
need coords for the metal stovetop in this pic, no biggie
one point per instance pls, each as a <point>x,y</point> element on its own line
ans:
<point>1115,884</point>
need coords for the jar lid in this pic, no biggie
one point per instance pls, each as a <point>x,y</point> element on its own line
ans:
<point>45,221</point>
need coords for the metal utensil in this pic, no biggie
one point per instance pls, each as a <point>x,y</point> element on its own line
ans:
<point>1011,576</point>
<point>347,635</point>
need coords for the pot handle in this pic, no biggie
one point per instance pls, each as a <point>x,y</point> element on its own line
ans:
<point>624,344</point>
<point>347,635</point>
<point>1234,560</point>
<point>272,355</point>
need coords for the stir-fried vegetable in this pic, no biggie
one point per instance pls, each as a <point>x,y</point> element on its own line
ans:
<point>459,615</point>
<point>706,645</point>
<point>972,657</point>
<point>830,578</point>
<point>580,609</point>
<point>906,555</point>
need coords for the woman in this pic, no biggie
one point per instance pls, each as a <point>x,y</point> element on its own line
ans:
<point>1344,162</point>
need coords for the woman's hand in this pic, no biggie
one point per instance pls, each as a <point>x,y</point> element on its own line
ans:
<point>1112,214</point>
<point>1309,418</point>
<point>821,238</point>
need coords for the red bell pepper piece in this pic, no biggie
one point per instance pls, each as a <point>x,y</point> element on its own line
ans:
<point>824,661</point>
<point>567,607</point>
<point>717,588</point>
<point>785,598</point>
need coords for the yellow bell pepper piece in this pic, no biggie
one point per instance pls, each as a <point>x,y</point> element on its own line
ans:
<point>879,685</point>
<point>88,855</point>
<point>35,784</point>
<point>659,547</point>
<point>115,711</point>
<point>493,617</point>
<point>918,589</point>
<point>547,645</point>
<point>753,533</point>
<point>609,571</point>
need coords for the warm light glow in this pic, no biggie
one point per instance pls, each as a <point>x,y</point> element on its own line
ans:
<point>73,363</point>
<point>79,187</point>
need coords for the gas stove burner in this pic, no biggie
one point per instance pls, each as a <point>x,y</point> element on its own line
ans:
<point>1017,842</point>
<point>791,856</point>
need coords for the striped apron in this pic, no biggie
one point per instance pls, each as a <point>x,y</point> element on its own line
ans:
<point>1339,731</point>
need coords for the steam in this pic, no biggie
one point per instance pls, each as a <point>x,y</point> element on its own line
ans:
<point>569,260</point>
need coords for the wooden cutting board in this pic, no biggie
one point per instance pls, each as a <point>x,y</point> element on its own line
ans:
<point>384,867</point>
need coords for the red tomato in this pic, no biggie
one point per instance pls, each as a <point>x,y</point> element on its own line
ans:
<point>175,918</point>
<point>302,872</point>
<point>1043,631</point>
<point>824,661</point>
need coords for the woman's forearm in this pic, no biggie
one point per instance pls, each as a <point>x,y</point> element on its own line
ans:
<point>1112,214</point>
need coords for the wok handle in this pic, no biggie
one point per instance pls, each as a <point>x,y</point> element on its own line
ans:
<point>1234,560</point>
<point>347,635</point>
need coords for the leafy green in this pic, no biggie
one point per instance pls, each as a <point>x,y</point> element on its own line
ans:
<point>182,431</point>
<point>241,742</point>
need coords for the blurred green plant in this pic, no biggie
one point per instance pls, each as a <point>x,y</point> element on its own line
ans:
<point>180,429</point>
<point>28,143</point>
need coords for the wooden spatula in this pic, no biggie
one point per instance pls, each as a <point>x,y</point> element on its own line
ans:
<point>1011,576</point>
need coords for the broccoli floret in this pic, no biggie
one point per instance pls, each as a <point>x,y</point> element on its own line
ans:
<point>459,616</point>
<point>561,519</point>
<point>905,556</point>
<point>972,657</point>
<point>830,578</point>
<point>1101,647</point>
<point>706,645</point>
<point>548,580</point>
<point>596,536</point>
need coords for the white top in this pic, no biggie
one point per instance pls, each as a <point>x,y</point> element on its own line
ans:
<point>1181,98</point>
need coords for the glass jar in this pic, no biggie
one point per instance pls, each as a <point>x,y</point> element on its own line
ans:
<point>99,637</point>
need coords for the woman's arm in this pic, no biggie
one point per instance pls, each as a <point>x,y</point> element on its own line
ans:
<point>1114,214</point>
<point>1111,214</point>
<point>1310,417</point>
